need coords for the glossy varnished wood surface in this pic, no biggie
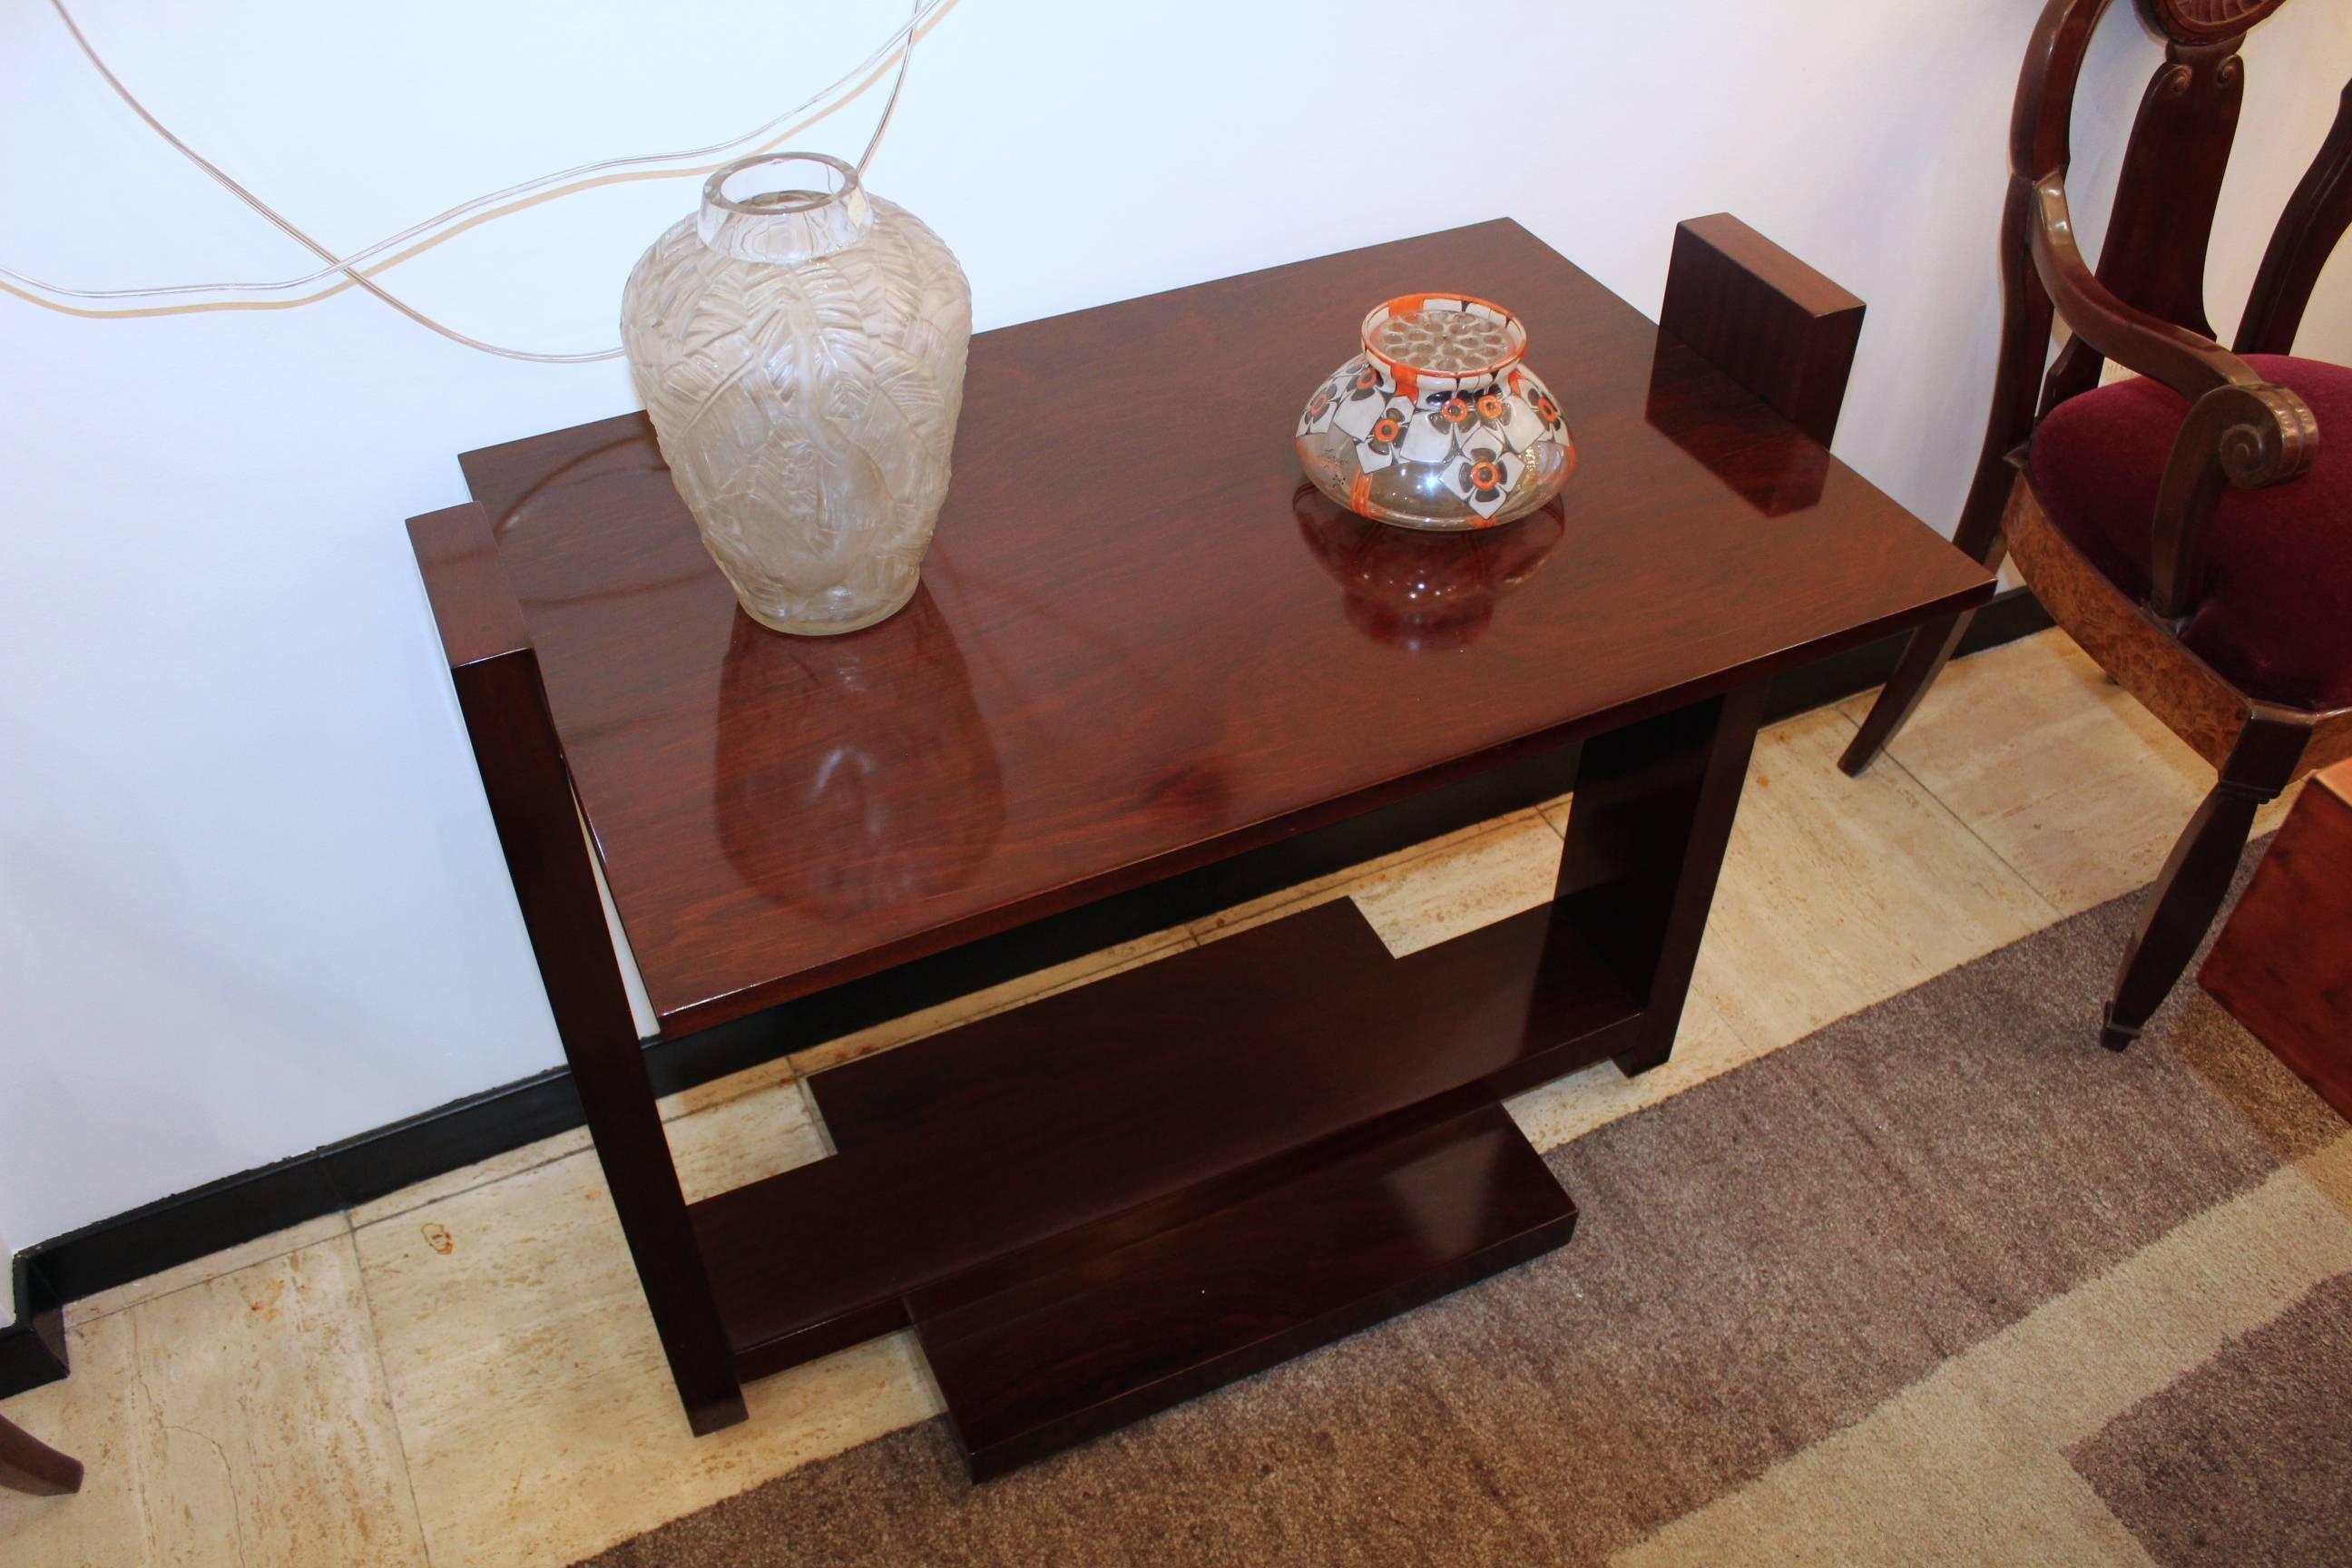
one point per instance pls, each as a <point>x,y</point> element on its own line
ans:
<point>497,675</point>
<point>1128,657</point>
<point>973,1160</point>
<point>1110,1199</point>
<point>1775,325</point>
<point>1076,1351</point>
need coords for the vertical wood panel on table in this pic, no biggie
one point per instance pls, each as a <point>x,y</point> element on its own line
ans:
<point>1646,832</point>
<point>496,671</point>
<point>1770,322</point>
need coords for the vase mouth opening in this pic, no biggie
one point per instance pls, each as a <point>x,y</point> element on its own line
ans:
<point>1444,337</point>
<point>783,207</point>
<point>768,184</point>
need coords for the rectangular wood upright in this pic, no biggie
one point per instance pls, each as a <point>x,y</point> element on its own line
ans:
<point>496,670</point>
<point>1763,318</point>
<point>1646,831</point>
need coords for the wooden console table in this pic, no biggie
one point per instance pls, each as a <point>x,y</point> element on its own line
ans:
<point>1144,645</point>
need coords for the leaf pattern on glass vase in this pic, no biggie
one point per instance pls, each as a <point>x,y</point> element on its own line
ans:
<point>807,411</point>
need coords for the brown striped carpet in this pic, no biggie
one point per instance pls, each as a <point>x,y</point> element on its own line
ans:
<point>1941,1283</point>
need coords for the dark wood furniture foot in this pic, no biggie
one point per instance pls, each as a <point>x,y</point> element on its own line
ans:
<point>1116,1197</point>
<point>2283,964</point>
<point>1069,1353</point>
<point>2196,876</point>
<point>29,1464</point>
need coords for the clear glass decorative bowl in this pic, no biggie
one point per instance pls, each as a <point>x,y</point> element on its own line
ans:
<point>1437,424</point>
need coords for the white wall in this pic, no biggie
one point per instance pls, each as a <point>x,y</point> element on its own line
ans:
<point>249,897</point>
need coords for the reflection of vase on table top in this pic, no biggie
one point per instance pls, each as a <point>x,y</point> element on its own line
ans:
<point>919,736</point>
<point>1418,590</point>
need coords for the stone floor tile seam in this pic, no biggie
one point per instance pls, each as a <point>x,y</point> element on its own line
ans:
<point>392,1402</point>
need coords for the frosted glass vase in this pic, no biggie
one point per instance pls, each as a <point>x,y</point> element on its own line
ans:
<point>800,346</point>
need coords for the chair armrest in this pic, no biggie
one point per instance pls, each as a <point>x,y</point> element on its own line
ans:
<point>2242,431</point>
<point>2190,364</point>
<point>2242,436</point>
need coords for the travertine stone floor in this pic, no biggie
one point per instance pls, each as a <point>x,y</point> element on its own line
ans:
<point>2062,773</point>
<point>463,1373</point>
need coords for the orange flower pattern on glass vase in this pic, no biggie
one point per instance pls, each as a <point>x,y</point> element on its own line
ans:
<point>1545,409</point>
<point>1387,430</point>
<point>1484,477</point>
<point>1320,409</point>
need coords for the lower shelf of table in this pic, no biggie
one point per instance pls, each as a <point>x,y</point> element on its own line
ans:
<point>1110,1200</point>
<point>1074,1351</point>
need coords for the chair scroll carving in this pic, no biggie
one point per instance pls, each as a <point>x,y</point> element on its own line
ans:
<point>2243,435</point>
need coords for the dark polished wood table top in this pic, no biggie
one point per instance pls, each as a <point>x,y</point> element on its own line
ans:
<point>1142,642</point>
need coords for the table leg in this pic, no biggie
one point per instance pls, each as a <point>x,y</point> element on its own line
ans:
<point>499,689</point>
<point>531,800</point>
<point>1646,832</point>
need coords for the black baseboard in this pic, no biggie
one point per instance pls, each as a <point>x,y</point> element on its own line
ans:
<point>33,1349</point>
<point>244,1207</point>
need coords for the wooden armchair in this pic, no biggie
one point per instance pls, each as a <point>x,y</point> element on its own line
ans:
<point>2188,530</point>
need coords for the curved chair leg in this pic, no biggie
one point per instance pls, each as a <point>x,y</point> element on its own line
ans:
<point>29,1464</point>
<point>2017,381</point>
<point>2196,876</point>
<point>1924,658</point>
<point>1925,655</point>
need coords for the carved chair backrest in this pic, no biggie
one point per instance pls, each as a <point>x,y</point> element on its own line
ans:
<point>2146,303</point>
<point>2161,224</point>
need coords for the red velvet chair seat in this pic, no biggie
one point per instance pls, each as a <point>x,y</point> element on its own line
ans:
<point>2276,616</point>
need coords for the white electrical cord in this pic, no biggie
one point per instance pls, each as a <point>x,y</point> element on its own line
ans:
<point>902,42</point>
